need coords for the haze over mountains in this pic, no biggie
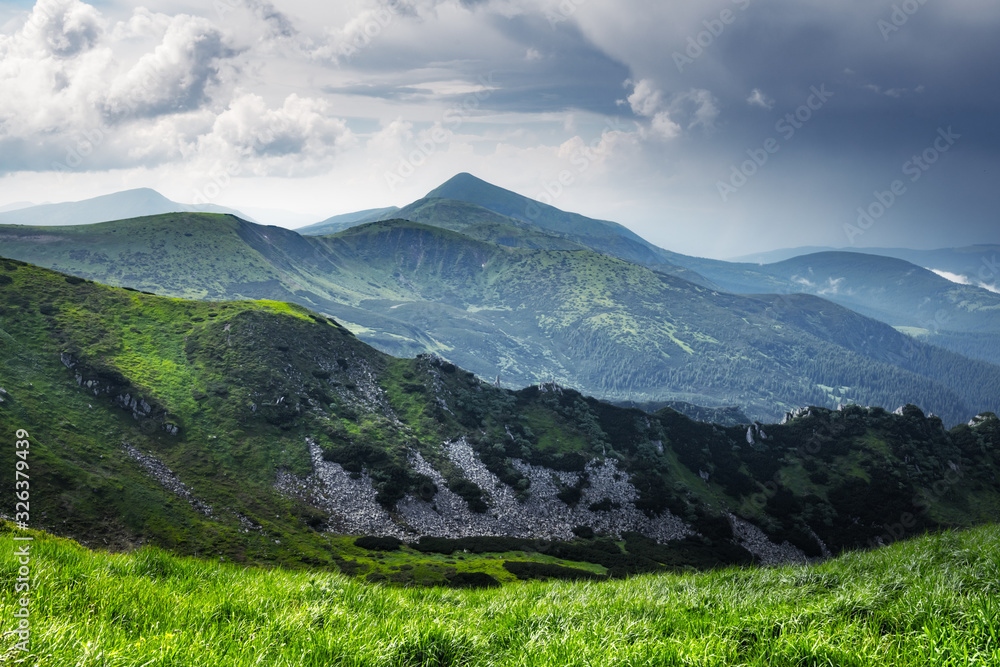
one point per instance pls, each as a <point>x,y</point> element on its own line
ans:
<point>116,206</point>
<point>513,289</point>
<point>975,264</point>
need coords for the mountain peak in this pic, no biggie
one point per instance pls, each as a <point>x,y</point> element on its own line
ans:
<point>466,187</point>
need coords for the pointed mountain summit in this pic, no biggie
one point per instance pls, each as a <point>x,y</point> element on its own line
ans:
<point>604,236</point>
<point>116,206</point>
<point>468,188</point>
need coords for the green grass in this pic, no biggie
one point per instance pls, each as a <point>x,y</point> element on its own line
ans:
<point>930,601</point>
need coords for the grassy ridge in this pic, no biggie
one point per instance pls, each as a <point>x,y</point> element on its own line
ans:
<point>930,601</point>
<point>527,307</point>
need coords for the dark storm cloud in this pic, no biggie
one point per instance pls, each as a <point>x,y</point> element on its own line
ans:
<point>541,68</point>
<point>568,72</point>
<point>897,78</point>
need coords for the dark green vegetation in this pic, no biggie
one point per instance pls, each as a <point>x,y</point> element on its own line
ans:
<point>930,601</point>
<point>541,312</point>
<point>226,395</point>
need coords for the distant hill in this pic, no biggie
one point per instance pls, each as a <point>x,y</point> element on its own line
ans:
<point>14,206</point>
<point>339,223</point>
<point>611,328</point>
<point>892,290</point>
<point>117,206</point>
<point>976,263</point>
<point>961,319</point>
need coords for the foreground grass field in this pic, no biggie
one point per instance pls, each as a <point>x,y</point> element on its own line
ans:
<point>931,601</point>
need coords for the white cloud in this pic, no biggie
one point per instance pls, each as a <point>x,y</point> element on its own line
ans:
<point>63,28</point>
<point>832,286</point>
<point>953,277</point>
<point>176,76</point>
<point>664,126</point>
<point>705,107</point>
<point>964,280</point>
<point>696,107</point>
<point>296,138</point>
<point>645,100</point>
<point>759,99</point>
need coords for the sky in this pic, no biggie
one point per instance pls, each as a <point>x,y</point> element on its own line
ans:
<point>715,128</point>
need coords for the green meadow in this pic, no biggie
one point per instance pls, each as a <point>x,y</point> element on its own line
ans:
<point>934,600</point>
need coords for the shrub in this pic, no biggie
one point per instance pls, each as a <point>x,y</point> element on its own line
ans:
<point>525,570</point>
<point>472,580</point>
<point>378,543</point>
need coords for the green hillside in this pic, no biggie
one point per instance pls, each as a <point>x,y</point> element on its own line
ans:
<point>892,291</point>
<point>482,224</point>
<point>215,428</point>
<point>931,601</point>
<point>608,327</point>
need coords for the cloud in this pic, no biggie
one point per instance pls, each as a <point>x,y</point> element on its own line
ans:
<point>832,286</point>
<point>696,107</point>
<point>296,138</point>
<point>645,100</point>
<point>63,28</point>
<point>664,126</point>
<point>279,24</point>
<point>176,76</point>
<point>704,105</point>
<point>759,99</point>
<point>964,280</point>
<point>952,277</point>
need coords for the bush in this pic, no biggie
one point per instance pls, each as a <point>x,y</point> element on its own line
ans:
<point>525,570</point>
<point>472,580</point>
<point>378,543</point>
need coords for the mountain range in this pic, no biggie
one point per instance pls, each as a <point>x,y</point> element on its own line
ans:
<point>963,318</point>
<point>260,431</point>
<point>563,298</point>
<point>608,327</point>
